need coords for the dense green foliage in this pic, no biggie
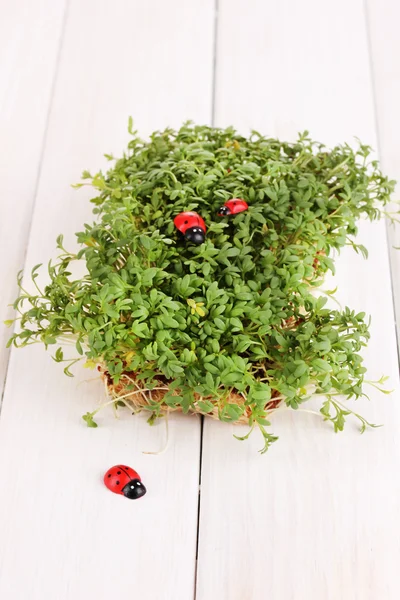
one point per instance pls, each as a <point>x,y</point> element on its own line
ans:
<point>237,313</point>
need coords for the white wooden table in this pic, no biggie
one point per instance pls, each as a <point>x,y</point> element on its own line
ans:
<point>318,517</point>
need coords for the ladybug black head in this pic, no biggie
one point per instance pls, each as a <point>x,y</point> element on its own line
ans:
<point>195,235</point>
<point>134,489</point>
<point>224,211</point>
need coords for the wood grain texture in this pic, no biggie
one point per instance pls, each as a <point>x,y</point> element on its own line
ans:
<point>63,535</point>
<point>318,516</point>
<point>382,21</point>
<point>30,36</point>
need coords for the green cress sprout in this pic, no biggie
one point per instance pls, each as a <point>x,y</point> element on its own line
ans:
<point>232,328</point>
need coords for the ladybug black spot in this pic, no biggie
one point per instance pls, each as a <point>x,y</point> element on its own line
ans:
<point>186,222</point>
<point>118,472</point>
<point>109,475</point>
<point>117,483</point>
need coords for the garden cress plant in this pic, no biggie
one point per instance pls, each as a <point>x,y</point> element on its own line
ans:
<point>232,327</point>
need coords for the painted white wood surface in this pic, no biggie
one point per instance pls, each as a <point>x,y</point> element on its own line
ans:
<point>63,535</point>
<point>383,19</point>
<point>319,515</point>
<point>30,36</point>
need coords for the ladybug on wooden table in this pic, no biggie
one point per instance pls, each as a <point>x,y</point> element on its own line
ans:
<point>233,207</point>
<point>125,481</point>
<point>192,226</point>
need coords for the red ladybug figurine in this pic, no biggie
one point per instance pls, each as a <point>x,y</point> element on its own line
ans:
<point>192,226</point>
<point>125,481</point>
<point>232,207</point>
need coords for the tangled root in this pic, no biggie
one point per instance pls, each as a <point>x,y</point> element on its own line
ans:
<point>136,396</point>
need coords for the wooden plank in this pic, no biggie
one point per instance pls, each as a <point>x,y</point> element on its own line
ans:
<point>383,20</point>
<point>318,516</point>
<point>59,526</point>
<point>30,35</point>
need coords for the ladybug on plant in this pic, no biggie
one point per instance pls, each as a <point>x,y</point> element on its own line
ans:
<point>192,226</point>
<point>233,207</point>
<point>125,481</point>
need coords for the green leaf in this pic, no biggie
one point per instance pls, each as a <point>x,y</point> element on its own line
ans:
<point>260,394</point>
<point>205,406</point>
<point>149,274</point>
<point>231,378</point>
<point>325,409</point>
<point>169,321</point>
<point>59,355</point>
<point>153,418</point>
<point>271,194</point>
<point>88,418</point>
<point>139,329</point>
<point>219,323</point>
<point>231,412</point>
<point>67,371</point>
<point>321,365</point>
<point>109,337</point>
<point>300,369</point>
<point>235,322</point>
